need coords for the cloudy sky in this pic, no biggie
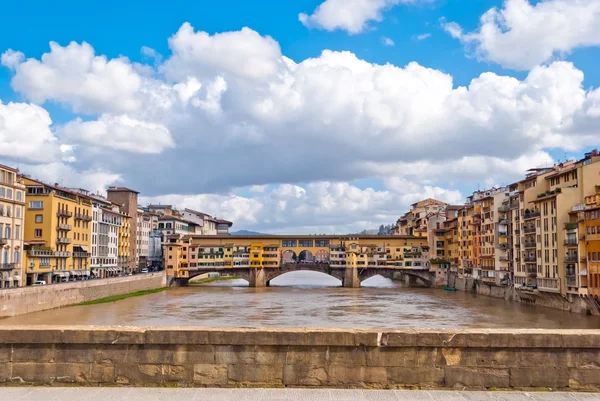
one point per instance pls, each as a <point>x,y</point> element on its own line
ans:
<point>308,116</point>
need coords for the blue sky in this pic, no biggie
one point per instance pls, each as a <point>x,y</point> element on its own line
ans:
<point>197,143</point>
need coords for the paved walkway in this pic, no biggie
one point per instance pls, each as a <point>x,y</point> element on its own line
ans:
<point>156,394</point>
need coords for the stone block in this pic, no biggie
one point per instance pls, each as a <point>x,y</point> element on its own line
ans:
<point>330,337</point>
<point>4,371</point>
<point>584,378</point>
<point>428,357</point>
<point>496,358</point>
<point>105,353</point>
<point>104,335</point>
<point>210,374</point>
<point>577,339</point>
<point>434,338</point>
<point>537,339</point>
<point>30,335</point>
<point>476,377</point>
<point>231,336</point>
<point>307,355</point>
<point>102,373</point>
<point>357,376</point>
<point>148,374</point>
<point>5,353</point>
<point>255,374</point>
<point>302,375</point>
<point>348,356</point>
<point>404,338</point>
<point>416,376</point>
<point>541,376</point>
<point>392,356</point>
<point>250,354</point>
<point>556,358</point>
<point>35,353</point>
<point>177,336</point>
<point>583,358</point>
<point>368,338</point>
<point>44,373</point>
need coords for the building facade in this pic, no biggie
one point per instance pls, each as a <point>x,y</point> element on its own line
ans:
<point>58,233</point>
<point>127,200</point>
<point>144,228</point>
<point>12,211</point>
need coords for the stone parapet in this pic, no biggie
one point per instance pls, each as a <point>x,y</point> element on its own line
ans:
<point>207,357</point>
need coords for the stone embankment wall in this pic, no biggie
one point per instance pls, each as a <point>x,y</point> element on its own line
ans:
<point>558,359</point>
<point>574,303</point>
<point>18,301</point>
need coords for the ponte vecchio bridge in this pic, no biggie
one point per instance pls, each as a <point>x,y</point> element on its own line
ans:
<point>259,259</point>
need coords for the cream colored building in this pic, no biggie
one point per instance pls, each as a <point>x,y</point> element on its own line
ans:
<point>12,212</point>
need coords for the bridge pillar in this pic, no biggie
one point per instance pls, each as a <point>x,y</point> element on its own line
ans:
<point>351,278</point>
<point>257,278</point>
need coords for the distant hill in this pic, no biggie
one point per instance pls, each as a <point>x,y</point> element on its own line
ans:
<point>246,232</point>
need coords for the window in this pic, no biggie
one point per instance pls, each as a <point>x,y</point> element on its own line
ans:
<point>306,243</point>
<point>18,212</point>
<point>19,196</point>
<point>37,233</point>
<point>17,232</point>
<point>9,194</point>
<point>7,232</point>
<point>36,204</point>
<point>288,243</point>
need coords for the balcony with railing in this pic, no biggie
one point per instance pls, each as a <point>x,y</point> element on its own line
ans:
<point>7,266</point>
<point>43,253</point>
<point>64,227</point>
<point>84,217</point>
<point>529,229</point>
<point>63,240</point>
<point>514,205</point>
<point>3,241</point>
<point>503,245</point>
<point>530,259</point>
<point>571,280</point>
<point>531,215</point>
<point>504,209</point>
<point>571,242</point>
<point>529,244</point>
<point>503,222</point>
<point>81,254</point>
<point>531,272</point>
<point>571,258</point>
<point>64,213</point>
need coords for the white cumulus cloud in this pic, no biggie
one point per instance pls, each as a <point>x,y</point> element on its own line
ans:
<point>351,16</point>
<point>120,133</point>
<point>523,34</point>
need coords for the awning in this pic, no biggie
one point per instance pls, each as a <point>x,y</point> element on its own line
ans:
<point>86,273</point>
<point>57,274</point>
<point>583,272</point>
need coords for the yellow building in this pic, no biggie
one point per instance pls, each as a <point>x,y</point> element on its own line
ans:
<point>553,254</point>
<point>124,258</point>
<point>57,233</point>
<point>12,210</point>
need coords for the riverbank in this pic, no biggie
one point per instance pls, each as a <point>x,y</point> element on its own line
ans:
<point>212,280</point>
<point>24,300</point>
<point>573,303</point>
<point>115,298</point>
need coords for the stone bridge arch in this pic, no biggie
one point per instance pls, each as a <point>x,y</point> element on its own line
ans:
<point>314,267</point>
<point>289,257</point>
<point>306,256</point>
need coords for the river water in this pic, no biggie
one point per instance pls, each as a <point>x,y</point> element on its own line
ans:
<point>307,299</point>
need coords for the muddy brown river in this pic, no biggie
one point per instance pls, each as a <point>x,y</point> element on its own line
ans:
<point>306,299</point>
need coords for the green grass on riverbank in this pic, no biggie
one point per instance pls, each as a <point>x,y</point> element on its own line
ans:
<point>115,298</point>
<point>213,279</point>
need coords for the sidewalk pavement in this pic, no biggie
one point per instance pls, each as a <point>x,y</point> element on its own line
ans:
<point>204,394</point>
